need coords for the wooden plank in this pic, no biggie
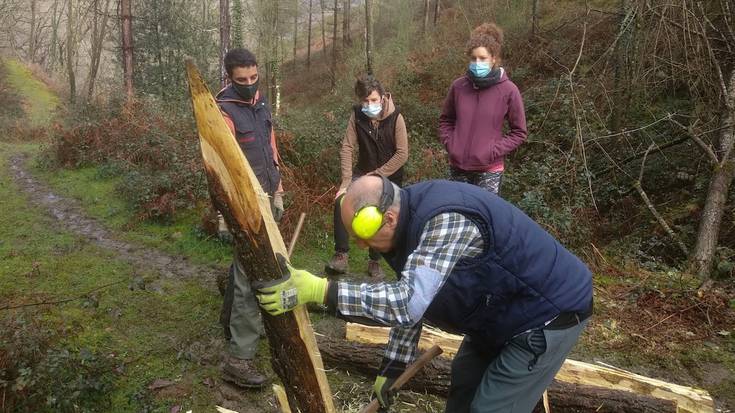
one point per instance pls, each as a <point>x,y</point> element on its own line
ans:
<point>449,343</point>
<point>236,193</point>
<point>688,399</point>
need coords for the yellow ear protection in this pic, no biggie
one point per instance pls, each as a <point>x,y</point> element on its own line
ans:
<point>369,219</point>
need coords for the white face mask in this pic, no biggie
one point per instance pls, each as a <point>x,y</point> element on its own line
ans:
<point>373,110</point>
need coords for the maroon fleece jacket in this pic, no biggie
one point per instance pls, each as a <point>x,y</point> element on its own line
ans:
<point>471,124</point>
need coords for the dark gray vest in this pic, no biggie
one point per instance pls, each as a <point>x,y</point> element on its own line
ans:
<point>253,127</point>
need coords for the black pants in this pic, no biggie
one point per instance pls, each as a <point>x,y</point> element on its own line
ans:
<point>341,237</point>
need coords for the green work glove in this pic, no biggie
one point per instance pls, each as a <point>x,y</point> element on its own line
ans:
<point>382,392</point>
<point>278,206</point>
<point>299,287</point>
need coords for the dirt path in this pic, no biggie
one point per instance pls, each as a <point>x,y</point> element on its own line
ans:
<point>70,215</point>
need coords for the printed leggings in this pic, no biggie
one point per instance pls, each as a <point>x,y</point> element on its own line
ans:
<point>489,181</point>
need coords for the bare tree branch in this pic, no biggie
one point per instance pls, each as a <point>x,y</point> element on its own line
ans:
<point>706,148</point>
<point>638,187</point>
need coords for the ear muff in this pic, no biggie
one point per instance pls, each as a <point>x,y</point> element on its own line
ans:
<point>369,219</point>
<point>367,222</point>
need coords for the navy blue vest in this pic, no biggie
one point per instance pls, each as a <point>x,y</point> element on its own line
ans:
<point>253,127</point>
<point>523,278</point>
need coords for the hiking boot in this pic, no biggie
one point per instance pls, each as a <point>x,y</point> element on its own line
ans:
<point>338,263</point>
<point>375,271</point>
<point>242,373</point>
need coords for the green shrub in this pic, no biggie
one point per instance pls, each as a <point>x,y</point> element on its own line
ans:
<point>37,373</point>
<point>156,155</point>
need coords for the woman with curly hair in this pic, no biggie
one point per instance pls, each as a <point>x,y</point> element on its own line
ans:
<point>475,110</point>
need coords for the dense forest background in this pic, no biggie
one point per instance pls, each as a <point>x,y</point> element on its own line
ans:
<point>630,107</point>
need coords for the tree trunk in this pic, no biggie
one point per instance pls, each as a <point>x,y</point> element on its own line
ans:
<point>369,36</point>
<point>709,227</point>
<point>160,47</point>
<point>295,29</point>
<point>619,84</point>
<point>99,31</point>
<point>714,206</point>
<point>70,50</point>
<point>275,95</point>
<point>346,41</point>
<point>237,15</point>
<point>436,11</point>
<point>334,47</point>
<point>54,42</point>
<point>32,38</point>
<point>534,17</point>
<point>434,379</point>
<point>308,40</point>
<point>127,46</point>
<point>426,17</point>
<point>324,31</point>
<point>224,39</point>
<point>235,192</point>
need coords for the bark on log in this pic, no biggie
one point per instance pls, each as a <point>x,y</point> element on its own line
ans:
<point>434,379</point>
<point>687,399</point>
<point>236,193</point>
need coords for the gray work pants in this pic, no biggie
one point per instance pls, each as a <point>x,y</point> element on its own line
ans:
<point>240,316</point>
<point>513,379</point>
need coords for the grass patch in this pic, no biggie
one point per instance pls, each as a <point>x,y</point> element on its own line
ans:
<point>39,102</point>
<point>97,194</point>
<point>134,332</point>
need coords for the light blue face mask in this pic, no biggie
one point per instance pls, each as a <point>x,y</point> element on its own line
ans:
<point>372,111</point>
<point>480,69</point>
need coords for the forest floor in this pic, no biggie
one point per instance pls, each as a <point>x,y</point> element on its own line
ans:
<point>142,297</point>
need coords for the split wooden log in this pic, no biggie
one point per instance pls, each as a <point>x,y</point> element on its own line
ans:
<point>236,193</point>
<point>687,399</point>
<point>434,379</point>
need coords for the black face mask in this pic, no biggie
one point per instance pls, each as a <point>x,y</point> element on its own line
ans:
<point>246,92</point>
<point>485,82</point>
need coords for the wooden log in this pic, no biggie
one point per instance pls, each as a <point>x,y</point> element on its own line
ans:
<point>434,379</point>
<point>687,399</point>
<point>236,193</point>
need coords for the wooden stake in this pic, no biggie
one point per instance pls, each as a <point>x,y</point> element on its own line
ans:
<point>237,194</point>
<point>295,235</point>
<point>411,371</point>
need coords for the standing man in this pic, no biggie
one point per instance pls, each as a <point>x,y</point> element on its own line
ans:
<point>248,115</point>
<point>468,262</point>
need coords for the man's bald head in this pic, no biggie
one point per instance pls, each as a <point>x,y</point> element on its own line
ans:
<point>365,191</point>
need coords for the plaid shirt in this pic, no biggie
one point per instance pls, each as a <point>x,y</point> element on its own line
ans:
<point>446,239</point>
